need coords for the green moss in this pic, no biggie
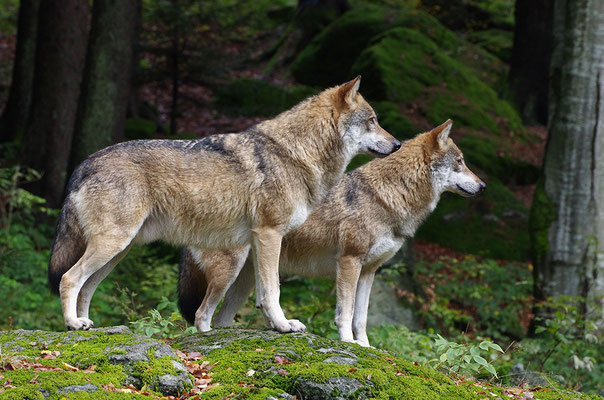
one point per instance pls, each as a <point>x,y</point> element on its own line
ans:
<point>402,63</point>
<point>495,41</point>
<point>484,152</point>
<point>252,362</point>
<point>81,350</point>
<point>326,60</point>
<point>543,213</point>
<point>254,97</point>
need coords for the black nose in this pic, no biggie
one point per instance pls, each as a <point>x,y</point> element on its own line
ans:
<point>483,186</point>
<point>396,145</point>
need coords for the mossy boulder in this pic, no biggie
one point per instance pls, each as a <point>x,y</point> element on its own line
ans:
<point>255,97</point>
<point>262,365</point>
<point>403,64</point>
<point>54,365</point>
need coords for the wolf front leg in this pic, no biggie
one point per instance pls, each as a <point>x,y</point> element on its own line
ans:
<point>266,246</point>
<point>359,321</point>
<point>347,277</point>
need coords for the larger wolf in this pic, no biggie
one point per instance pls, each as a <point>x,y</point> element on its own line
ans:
<point>221,192</point>
<point>360,224</point>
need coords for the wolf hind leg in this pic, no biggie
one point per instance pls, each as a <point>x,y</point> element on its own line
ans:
<point>236,296</point>
<point>221,268</point>
<point>87,291</point>
<point>99,252</point>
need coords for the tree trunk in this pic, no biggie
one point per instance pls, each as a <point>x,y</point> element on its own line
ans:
<point>16,111</point>
<point>107,78</point>
<point>529,67</point>
<point>567,218</point>
<point>60,54</point>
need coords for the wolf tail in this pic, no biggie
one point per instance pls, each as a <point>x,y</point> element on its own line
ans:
<point>68,247</point>
<point>192,286</point>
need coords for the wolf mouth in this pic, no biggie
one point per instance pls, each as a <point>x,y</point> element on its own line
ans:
<point>379,153</point>
<point>464,190</point>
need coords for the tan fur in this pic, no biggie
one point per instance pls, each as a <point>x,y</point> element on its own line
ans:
<point>221,192</point>
<point>361,223</point>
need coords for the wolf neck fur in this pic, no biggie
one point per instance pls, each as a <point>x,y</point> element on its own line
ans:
<point>403,183</point>
<point>318,153</point>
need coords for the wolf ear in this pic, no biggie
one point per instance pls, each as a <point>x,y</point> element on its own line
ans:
<point>349,90</point>
<point>441,133</point>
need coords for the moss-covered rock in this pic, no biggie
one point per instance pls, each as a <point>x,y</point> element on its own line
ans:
<point>90,364</point>
<point>260,364</point>
<point>326,60</point>
<point>495,41</point>
<point>403,64</point>
<point>254,97</point>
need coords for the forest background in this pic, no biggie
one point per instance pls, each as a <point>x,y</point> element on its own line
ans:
<point>520,265</point>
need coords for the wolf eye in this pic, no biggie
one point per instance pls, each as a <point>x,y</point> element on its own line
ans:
<point>460,161</point>
<point>372,120</point>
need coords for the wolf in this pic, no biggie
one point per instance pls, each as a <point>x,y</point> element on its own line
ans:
<point>361,223</point>
<point>224,191</point>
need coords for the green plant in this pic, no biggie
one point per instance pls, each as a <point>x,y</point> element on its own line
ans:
<point>157,325</point>
<point>466,359</point>
<point>481,297</point>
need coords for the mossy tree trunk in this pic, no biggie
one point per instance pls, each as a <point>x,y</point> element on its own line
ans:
<point>569,204</point>
<point>531,54</point>
<point>16,111</point>
<point>107,77</point>
<point>60,54</point>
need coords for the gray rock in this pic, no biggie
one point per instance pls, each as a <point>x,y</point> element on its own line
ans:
<point>386,308</point>
<point>333,389</point>
<point>88,388</point>
<point>332,350</point>
<point>171,385</point>
<point>454,216</point>
<point>519,376</point>
<point>340,360</point>
<point>491,218</point>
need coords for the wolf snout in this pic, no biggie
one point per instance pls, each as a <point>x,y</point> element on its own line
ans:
<point>481,186</point>
<point>396,145</point>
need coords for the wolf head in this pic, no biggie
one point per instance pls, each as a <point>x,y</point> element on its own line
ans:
<point>358,125</point>
<point>447,166</point>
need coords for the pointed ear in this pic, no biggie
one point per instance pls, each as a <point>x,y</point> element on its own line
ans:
<point>349,90</point>
<point>441,133</point>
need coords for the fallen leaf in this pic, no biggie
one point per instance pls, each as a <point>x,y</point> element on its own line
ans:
<point>69,367</point>
<point>259,350</point>
<point>282,372</point>
<point>352,370</point>
<point>250,372</point>
<point>280,360</point>
<point>34,380</point>
<point>195,355</point>
<point>369,377</point>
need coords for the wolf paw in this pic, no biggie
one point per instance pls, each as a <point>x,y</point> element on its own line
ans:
<point>290,325</point>
<point>79,324</point>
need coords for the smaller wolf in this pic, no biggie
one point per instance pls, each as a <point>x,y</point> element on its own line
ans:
<point>361,223</point>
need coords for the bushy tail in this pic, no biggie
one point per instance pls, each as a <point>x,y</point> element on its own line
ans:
<point>68,247</point>
<point>192,286</point>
